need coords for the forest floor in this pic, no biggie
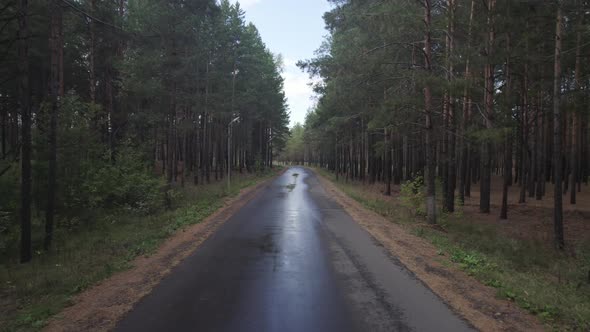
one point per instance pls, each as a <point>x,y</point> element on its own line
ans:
<point>492,271</point>
<point>100,271</point>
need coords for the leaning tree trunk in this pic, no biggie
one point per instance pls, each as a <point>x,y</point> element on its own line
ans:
<point>557,157</point>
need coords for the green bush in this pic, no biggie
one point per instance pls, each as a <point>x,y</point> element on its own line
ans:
<point>88,178</point>
<point>413,197</point>
<point>9,187</point>
<point>125,183</point>
<point>9,202</point>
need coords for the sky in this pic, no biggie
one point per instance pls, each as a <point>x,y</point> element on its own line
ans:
<point>295,29</point>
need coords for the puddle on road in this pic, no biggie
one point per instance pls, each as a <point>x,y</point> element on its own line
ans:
<point>292,186</point>
<point>267,245</point>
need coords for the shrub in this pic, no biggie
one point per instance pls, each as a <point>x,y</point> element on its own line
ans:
<point>413,197</point>
<point>125,183</point>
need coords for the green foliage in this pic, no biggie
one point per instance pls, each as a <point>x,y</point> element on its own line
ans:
<point>9,188</point>
<point>198,211</point>
<point>472,262</point>
<point>127,184</point>
<point>412,196</point>
<point>9,192</point>
<point>295,149</point>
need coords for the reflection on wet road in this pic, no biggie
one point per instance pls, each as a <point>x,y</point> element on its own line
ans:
<point>291,260</point>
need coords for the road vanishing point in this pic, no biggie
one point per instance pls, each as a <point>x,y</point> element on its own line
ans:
<point>291,259</point>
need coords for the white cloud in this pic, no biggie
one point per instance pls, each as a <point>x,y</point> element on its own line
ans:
<point>299,93</point>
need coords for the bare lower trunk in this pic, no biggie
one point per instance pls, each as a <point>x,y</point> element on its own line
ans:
<point>507,171</point>
<point>387,163</point>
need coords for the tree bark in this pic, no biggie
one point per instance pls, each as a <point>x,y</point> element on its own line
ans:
<point>55,47</point>
<point>92,55</point>
<point>487,147</point>
<point>388,153</point>
<point>451,139</point>
<point>557,122</point>
<point>508,138</point>
<point>507,170</point>
<point>25,106</point>
<point>575,151</point>
<point>429,128</point>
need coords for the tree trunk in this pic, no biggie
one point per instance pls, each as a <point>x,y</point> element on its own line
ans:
<point>171,146</point>
<point>524,137</point>
<point>25,106</point>
<point>575,123</point>
<point>508,138</point>
<point>429,128</point>
<point>388,152</point>
<point>92,55</point>
<point>451,139</point>
<point>486,169</point>
<point>4,114</point>
<point>557,157</point>
<point>507,170</point>
<point>55,46</point>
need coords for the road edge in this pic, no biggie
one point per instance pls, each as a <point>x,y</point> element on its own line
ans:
<point>100,307</point>
<point>472,300</point>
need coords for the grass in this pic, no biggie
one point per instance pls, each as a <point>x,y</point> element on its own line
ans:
<point>552,285</point>
<point>31,293</point>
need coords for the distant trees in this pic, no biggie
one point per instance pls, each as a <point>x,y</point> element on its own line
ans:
<point>459,90</point>
<point>295,148</point>
<point>91,90</point>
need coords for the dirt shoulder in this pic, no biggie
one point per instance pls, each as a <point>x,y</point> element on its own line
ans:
<point>102,306</point>
<point>475,302</point>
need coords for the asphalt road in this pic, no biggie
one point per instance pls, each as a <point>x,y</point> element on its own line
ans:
<point>291,260</point>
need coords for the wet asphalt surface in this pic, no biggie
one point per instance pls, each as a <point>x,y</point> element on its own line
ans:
<point>291,260</point>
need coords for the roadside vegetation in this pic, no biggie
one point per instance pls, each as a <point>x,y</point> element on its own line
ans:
<point>469,120</point>
<point>553,285</point>
<point>119,124</point>
<point>461,91</point>
<point>87,251</point>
